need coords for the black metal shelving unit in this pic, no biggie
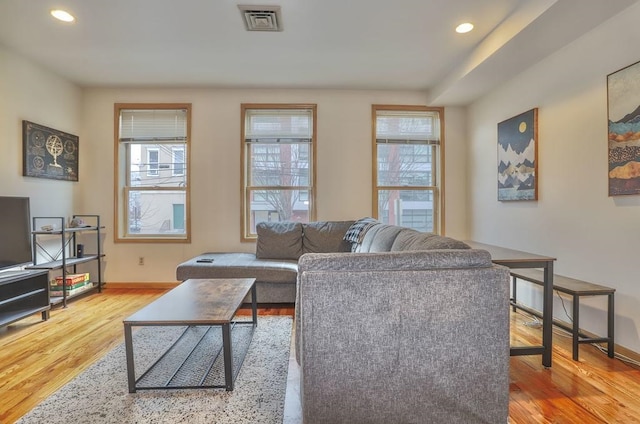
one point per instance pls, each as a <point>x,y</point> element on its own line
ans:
<point>60,254</point>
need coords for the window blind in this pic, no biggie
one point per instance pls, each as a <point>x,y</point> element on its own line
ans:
<point>407,127</point>
<point>278,125</point>
<point>157,125</point>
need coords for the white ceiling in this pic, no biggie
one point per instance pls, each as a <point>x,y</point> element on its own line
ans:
<point>340,44</point>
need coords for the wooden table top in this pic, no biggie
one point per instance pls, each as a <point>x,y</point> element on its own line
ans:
<point>564,284</point>
<point>504,256</point>
<point>196,302</point>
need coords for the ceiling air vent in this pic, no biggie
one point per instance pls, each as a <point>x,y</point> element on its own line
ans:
<point>261,18</point>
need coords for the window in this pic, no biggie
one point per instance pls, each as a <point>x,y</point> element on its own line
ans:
<point>407,146</point>
<point>178,216</point>
<point>152,184</point>
<point>153,164</point>
<point>177,154</point>
<point>278,164</point>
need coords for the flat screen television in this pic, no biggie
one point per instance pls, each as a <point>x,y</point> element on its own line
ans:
<point>15,232</point>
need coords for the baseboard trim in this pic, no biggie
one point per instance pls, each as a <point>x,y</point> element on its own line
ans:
<point>620,351</point>
<point>131,285</point>
<point>623,351</point>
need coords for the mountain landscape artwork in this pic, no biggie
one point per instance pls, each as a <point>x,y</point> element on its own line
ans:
<point>623,91</point>
<point>517,157</point>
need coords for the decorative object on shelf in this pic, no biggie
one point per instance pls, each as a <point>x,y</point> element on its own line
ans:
<point>77,222</point>
<point>49,153</point>
<point>79,250</point>
<point>623,100</point>
<point>518,157</point>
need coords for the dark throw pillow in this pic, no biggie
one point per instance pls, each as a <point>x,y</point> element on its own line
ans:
<point>357,230</point>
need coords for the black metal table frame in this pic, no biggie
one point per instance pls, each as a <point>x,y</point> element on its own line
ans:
<point>518,259</point>
<point>229,376</point>
<point>578,337</point>
<point>547,312</point>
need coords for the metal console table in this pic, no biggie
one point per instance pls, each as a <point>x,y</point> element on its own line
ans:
<point>517,259</point>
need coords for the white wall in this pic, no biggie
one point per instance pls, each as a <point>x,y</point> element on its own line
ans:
<point>594,237</point>
<point>28,92</point>
<point>455,179</point>
<point>343,167</point>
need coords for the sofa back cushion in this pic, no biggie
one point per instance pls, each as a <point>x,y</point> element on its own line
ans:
<point>380,238</point>
<point>325,236</point>
<point>416,240</point>
<point>279,240</point>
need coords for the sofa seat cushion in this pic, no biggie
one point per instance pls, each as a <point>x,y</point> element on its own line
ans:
<point>239,265</point>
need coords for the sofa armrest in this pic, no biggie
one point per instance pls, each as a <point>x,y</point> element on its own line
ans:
<point>381,344</point>
<point>413,260</point>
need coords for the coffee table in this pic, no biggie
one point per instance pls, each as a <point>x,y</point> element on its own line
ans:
<point>202,305</point>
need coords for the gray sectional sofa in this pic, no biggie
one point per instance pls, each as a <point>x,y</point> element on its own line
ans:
<point>392,325</point>
<point>275,263</point>
<point>281,244</point>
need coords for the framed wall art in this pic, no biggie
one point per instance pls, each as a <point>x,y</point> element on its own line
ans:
<point>518,157</point>
<point>49,153</point>
<point>623,108</point>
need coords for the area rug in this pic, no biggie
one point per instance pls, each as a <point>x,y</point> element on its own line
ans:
<point>100,394</point>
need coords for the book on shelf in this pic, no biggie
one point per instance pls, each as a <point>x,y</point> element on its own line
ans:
<point>71,279</point>
<point>58,292</point>
<point>68,286</point>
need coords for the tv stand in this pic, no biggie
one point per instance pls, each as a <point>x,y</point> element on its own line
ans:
<point>22,294</point>
<point>12,273</point>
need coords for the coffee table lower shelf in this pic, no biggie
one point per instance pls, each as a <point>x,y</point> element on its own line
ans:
<point>201,357</point>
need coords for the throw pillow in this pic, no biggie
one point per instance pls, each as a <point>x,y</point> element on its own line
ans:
<point>279,240</point>
<point>357,230</point>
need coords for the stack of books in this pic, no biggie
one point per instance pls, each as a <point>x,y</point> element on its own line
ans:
<point>74,283</point>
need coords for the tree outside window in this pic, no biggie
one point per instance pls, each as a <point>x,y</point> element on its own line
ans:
<point>278,164</point>
<point>407,144</point>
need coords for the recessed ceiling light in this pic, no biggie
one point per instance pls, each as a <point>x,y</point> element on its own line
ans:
<point>464,28</point>
<point>62,15</point>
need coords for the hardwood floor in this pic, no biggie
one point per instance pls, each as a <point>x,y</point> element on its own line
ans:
<point>37,358</point>
<point>595,389</point>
